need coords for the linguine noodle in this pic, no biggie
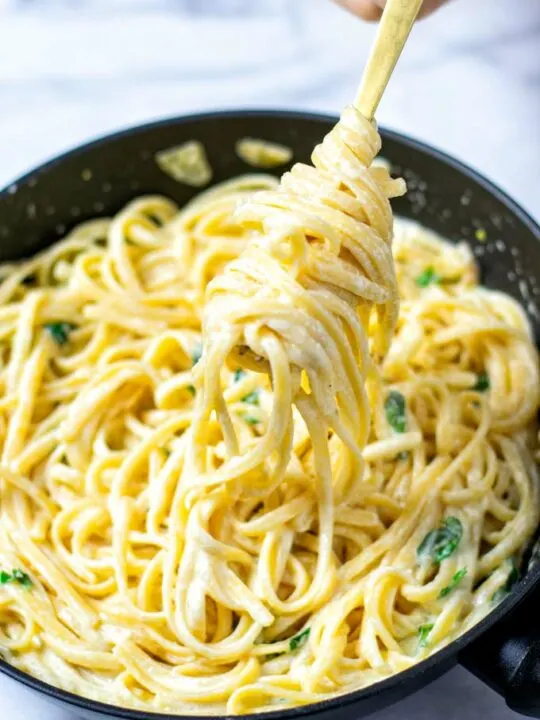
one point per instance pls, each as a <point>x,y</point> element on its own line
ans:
<point>290,507</point>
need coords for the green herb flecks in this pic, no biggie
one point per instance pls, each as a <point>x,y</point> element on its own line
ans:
<point>456,579</point>
<point>428,277</point>
<point>298,641</point>
<point>196,354</point>
<point>191,389</point>
<point>15,576</point>
<point>511,580</point>
<point>442,542</point>
<point>423,632</point>
<point>394,407</point>
<point>482,383</point>
<point>60,331</point>
<point>251,420</point>
<point>252,398</point>
<point>238,375</point>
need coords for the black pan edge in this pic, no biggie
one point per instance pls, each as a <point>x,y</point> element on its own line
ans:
<point>466,170</point>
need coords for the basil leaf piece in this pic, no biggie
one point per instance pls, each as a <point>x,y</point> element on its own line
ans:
<point>60,331</point>
<point>456,579</point>
<point>439,544</point>
<point>394,408</point>
<point>21,577</point>
<point>428,277</point>
<point>191,389</point>
<point>251,420</point>
<point>18,576</point>
<point>511,580</point>
<point>423,632</point>
<point>252,398</point>
<point>298,641</point>
<point>238,375</point>
<point>482,383</point>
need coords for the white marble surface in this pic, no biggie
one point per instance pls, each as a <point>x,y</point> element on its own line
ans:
<point>469,83</point>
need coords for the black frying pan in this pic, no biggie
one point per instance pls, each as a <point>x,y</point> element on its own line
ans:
<point>97,179</point>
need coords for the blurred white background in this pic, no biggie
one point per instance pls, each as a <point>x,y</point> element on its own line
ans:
<point>469,83</point>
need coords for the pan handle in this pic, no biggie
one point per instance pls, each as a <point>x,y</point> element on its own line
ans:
<point>507,657</point>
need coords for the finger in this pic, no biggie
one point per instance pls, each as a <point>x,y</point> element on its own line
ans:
<point>366,9</point>
<point>371,10</point>
<point>428,6</point>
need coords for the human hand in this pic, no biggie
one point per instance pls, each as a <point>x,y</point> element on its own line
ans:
<point>371,10</point>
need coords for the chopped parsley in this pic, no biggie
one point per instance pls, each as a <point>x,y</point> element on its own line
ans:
<point>423,632</point>
<point>60,331</point>
<point>252,398</point>
<point>251,420</point>
<point>442,542</point>
<point>295,643</point>
<point>428,277</point>
<point>298,641</point>
<point>457,578</point>
<point>482,383</point>
<point>196,354</point>
<point>15,576</point>
<point>394,407</point>
<point>191,389</point>
<point>511,580</point>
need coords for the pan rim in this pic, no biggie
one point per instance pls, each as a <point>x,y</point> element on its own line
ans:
<point>426,669</point>
<point>282,113</point>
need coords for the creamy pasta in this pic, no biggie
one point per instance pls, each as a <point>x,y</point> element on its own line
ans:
<point>316,495</point>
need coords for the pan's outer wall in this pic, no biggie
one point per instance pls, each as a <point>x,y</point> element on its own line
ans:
<point>99,178</point>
